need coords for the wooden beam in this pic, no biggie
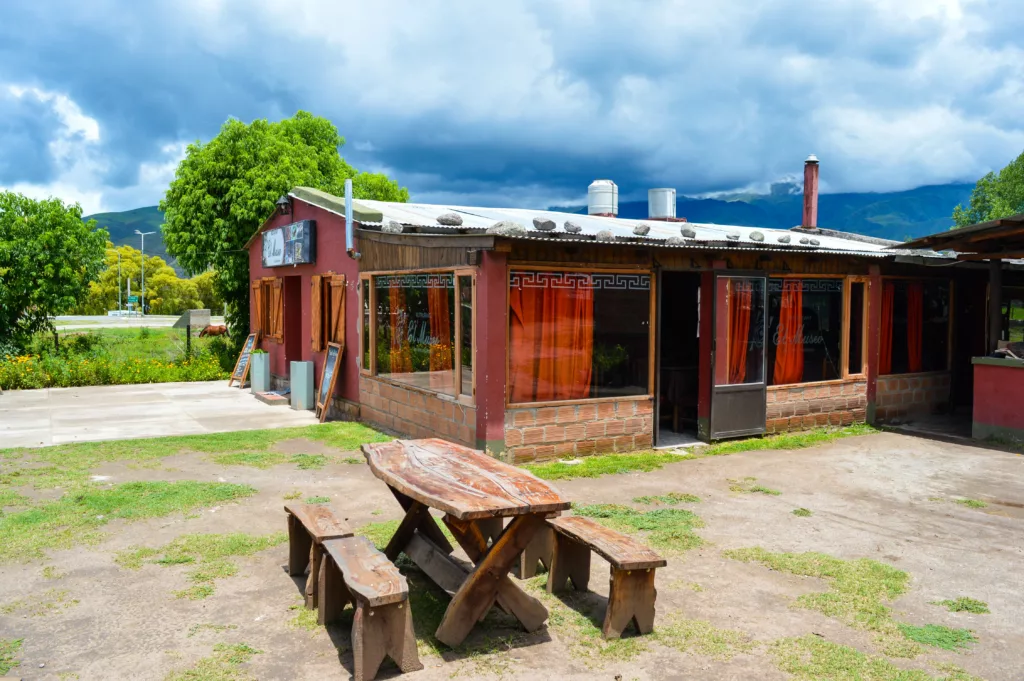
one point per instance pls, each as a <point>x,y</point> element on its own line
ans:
<point>1002,255</point>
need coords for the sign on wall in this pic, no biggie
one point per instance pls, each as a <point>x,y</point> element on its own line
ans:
<point>293,244</point>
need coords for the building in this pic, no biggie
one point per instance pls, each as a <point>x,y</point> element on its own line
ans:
<point>535,334</point>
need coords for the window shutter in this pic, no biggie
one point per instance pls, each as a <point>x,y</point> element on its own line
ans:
<point>276,310</point>
<point>316,306</point>
<point>337,328</point>
<point>257,307</point>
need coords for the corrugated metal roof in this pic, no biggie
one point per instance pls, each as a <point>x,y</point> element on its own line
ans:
<point>721,236</point>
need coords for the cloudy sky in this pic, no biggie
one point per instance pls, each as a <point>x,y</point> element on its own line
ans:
<point>517,102</point>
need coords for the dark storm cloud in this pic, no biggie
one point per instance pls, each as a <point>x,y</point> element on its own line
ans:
<point>494,103</point>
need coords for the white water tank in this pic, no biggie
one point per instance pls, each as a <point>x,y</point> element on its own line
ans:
<point>602,198</point>
<point>661,203</point>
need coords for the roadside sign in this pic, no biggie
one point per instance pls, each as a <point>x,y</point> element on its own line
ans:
<point>133,299</point>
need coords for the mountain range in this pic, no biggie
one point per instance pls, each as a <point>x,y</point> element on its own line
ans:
<point>889,215</point>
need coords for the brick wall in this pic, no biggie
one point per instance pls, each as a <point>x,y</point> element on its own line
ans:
<point>416,413</point>
<point>579,429</point>
<point>900,397</point>
<point>800,407</point>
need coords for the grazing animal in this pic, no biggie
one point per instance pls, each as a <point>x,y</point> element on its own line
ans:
<point>212,330</point>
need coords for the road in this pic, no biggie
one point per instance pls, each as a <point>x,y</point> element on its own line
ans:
<point>71,322</point>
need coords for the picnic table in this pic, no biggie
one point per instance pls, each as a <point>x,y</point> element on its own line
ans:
<point>473,490</point>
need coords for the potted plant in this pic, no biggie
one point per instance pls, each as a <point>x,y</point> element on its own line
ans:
<point>259,371</point>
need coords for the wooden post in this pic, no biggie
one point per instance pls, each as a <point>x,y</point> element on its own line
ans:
<point>630,598</point>
<point>333,594</point>
<point>299,543</point>
<point>539,549</point>
<point>383,631</point>
<point>995,303</point>
<point>569,561</point>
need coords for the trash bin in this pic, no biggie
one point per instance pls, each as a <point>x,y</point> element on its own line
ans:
<point>302,385</point>
<point>259,372</point>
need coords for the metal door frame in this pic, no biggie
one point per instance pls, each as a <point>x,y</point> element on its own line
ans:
<point>741,387</point>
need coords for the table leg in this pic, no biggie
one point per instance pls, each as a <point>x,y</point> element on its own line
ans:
<point>428,526</point>
<point>482,586</point>
<point>414,518</point>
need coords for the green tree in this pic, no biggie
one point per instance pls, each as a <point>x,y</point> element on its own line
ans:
<point>166,292</point>
<point>48,256</point>
<point>224,189</point>
<point>994,196</point>
<point>206,289</point>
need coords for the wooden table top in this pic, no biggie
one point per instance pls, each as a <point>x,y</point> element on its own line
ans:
<point>465,483</point>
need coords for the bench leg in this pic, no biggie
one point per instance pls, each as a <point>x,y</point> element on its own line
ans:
<point>569,561</point>
<point>333,594</point>
<point>539,549</point>
<point>299,543</point>
<point>380,632</point>
<point>316,552</point>
<point>630,598</point>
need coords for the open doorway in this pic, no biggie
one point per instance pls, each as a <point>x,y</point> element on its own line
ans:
<point>678,361</point>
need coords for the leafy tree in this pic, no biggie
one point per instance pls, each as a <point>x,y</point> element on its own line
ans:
<point>166,293</point>
<point>48,256</point>
<point>224,189</point>
<point>994,196</point>
<point>206,289</point>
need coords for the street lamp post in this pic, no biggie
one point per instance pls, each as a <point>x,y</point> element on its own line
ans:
<point>143,251</point>
<point>119,316</point>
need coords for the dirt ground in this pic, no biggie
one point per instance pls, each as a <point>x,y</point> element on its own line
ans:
<point>887,497</point>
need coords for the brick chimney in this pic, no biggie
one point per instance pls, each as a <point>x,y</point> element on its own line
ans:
<point>810,220</point>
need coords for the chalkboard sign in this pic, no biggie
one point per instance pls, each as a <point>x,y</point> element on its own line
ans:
<point>328,377</point>
<point>242,365</point>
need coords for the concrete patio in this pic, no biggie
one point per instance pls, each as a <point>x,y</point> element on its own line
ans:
<point>53,416</point>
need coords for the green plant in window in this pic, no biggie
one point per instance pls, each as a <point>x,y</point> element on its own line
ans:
<point>607,358</point>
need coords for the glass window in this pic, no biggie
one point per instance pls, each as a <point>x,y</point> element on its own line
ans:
<point>856,337</point>
<point>805,329</point>
<point>364,290</point>
<point>915,327</point>
<point>739,330</point>
<point>575,336</point>
<point>416,329</point>
<point>466,328</point>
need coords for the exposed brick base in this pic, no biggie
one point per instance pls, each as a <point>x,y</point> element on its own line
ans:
<point>803,407</point>
<point>416,413</point>
<point>578,430</point>
<point>900,397</point>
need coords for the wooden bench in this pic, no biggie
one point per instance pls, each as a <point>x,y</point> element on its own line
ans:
<point>355,571</point>
<point>631,594</point>
<point>309,526</point>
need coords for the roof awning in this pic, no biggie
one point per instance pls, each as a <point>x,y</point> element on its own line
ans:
<point>993,240</point>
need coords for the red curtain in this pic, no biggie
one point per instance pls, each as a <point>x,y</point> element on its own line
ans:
<point>551,342</point>
<point>401,354</point>
<point>915,325</point>
<point>885,352</point>
<point>740,297</point>
<point>789,352</point>
<point>440,334</point>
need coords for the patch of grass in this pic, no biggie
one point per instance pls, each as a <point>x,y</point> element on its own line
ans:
<point>664,528</point>
<point>309,462</point>
<point>702,638</point>
<point>199,628</point>
<point>221,666</point>
<point>293,495</point>
<point>353,460</point>
<point>211,554</point>
<point>70,464</point>
<point>938,636</point>
<point>858,591</point>
<point>9,648</point>
<point>51,572</point>
<point>8,497</point>
<point>810,658</point>
<point>971,503</point>
<point>670,499</point>
<point>965,604</point>
<point>269,459</point>
<point>606,464</point>
<point>576,619</point>
<point>809,438</point>
<point>48,603</point>
<point>76,517</point>
<point>318,500</point>
<point>802,512</point>
<point>304,618</point>
<point>379,533</point>
<point>747,486</point>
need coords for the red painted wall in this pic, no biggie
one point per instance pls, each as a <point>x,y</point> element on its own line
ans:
<point>998,396</point>
<point>330,257</point>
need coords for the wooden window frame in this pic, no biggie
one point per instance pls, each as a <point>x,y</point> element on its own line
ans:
<point>368,288</point>
<point>844,348</point>
<point>519,267</point>
<point>949,324</point>
<point>267,284</point>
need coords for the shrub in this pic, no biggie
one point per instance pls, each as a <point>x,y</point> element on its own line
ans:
<point>33,371</point>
